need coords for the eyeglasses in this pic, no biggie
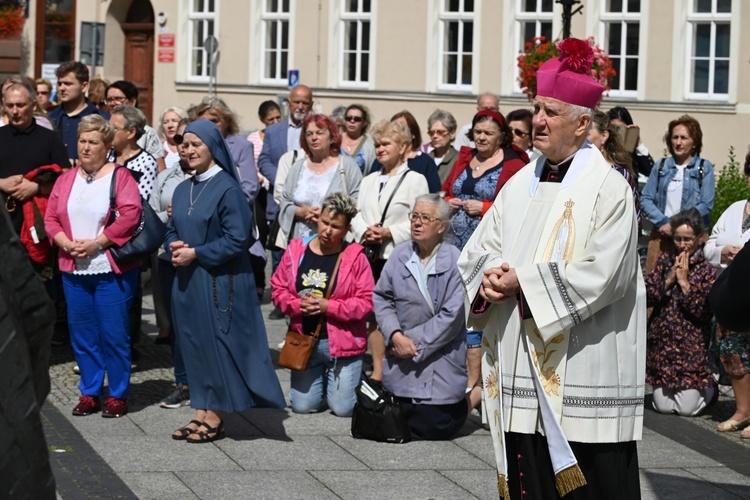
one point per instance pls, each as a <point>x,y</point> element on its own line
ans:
<point>116,100</point>
<point>520,133</point>
<point>354,119</point>
<point>439,133</point>
<point>680,239</point>
<point>424,219</point>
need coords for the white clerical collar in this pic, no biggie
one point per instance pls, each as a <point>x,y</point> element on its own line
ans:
<point>580,160</point>
<point>208,173</point>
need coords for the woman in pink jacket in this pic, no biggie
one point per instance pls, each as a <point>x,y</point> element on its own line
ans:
<point>301,283</point>
<point>98,290</point>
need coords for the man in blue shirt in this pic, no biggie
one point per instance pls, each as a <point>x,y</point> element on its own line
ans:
<point>72,84</point>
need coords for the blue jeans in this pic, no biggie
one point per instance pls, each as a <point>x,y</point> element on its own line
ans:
<point>167,275</point>
<point>334,378</point>
<point>98,307</point>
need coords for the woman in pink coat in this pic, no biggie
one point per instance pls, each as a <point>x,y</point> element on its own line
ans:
<point>300,284</point>
<point>98,290</point>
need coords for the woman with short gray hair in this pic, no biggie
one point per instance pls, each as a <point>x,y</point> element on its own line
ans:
<point>129,124</point>
<point>441,128</point>
<point>425,361</point>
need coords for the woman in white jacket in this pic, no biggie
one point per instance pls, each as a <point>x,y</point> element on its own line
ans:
<point>385,199</point>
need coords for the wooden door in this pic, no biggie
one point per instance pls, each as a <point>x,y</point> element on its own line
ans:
<point>139,62</point>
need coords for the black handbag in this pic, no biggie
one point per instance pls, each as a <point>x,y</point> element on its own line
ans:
<point>378,417</point>
<point>147,237</point>
<point>372,251</point>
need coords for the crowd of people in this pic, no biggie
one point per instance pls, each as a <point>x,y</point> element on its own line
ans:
<point>470,278</point>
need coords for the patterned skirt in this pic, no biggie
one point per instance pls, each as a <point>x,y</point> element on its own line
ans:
<point>733,350</point>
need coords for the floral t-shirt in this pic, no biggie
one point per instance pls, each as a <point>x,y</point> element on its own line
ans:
<point>313,278</point>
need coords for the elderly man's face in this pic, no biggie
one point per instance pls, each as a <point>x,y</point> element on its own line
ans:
<point>18,107</point>
<point>557,133</point>
<point>300,102</point>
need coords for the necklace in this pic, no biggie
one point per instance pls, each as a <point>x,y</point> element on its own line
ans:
<point>193,201</point>
<point>90,177</point>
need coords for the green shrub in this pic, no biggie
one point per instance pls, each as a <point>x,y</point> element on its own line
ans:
<point>731,186</point>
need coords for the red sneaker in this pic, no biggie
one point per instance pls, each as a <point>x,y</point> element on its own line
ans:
<point>86,406</point>
<point>114,408</point>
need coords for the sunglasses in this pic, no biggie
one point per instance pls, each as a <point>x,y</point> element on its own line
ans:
<point>354,119</point>
<point>439,133</point>
<point>520,133</point>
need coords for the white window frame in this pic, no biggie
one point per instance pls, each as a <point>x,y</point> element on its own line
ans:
<point>522,17</point>
<point>713,18</point>
<point>462,17</point>
<point>192,17</point>
<point>623,18</point>
<point>358,17</point>
<point>276,17</point>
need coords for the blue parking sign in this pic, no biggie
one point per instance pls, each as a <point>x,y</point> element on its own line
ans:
<point>293,77</point>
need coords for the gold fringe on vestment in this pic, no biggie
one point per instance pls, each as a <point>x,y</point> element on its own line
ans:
<point>502,487</point>
<point>569,479</point>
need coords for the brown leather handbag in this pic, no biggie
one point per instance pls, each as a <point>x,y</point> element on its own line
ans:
<point>298,348</point>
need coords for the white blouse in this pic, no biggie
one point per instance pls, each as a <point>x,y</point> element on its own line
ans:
<point>88,207</point>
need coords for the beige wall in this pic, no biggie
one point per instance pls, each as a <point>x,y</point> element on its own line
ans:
<point>404,53</point>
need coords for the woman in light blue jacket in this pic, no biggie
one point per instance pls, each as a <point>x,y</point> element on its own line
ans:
<point>420,311</point>
<point>681,181</point>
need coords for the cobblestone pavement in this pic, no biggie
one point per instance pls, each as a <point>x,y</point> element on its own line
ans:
<point>278,454</point>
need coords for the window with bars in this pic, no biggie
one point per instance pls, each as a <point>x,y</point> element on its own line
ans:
<point>709,29</point>
<point>355,37</point>
<point>202,24</point>
<point>275,17</point>
<point>456,43</point>
<point>622,29</point>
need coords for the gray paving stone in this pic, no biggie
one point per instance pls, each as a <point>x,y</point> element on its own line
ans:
<point>157,486</point>
<point>302,453</point>
<point>481,483</point>
<point>287,485</point>
<point>726,479</point>
<point>659,452</point>
<point>418,455</point>
<point>146,454</point>
<point>659,484</point>
<point>414,485</point>
<point>285,422</point>
<point>479,446</point>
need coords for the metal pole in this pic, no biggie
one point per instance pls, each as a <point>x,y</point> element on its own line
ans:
<point>567,14</point>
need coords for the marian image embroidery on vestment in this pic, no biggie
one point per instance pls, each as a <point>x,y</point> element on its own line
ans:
<point>563,238</point>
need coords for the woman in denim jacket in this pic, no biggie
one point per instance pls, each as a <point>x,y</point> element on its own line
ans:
<point>681,181</point>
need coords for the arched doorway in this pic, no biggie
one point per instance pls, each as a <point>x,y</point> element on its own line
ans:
<point>138,29</point>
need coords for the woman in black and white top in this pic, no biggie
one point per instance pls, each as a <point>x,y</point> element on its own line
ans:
<point>129,125</point>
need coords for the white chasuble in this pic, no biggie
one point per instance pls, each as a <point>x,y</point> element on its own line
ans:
<point>573,247</point>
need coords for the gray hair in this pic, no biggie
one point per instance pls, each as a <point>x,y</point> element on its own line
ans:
<point>443,208</point>
<point>133,117</point>
<point>444,117</point>
<point>577,111</point>
<point>340,203</point>
<point>488,94</point>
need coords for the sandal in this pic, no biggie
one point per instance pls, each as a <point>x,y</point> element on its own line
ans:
<point>183,432</point>
<point>745,434</point>
<point>209,435</point>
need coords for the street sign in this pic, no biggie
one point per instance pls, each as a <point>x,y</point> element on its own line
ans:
<point>166,55</point>
<point>166,39</point>
<point>293,77</point>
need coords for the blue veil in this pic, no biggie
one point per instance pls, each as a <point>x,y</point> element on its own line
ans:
<point>211,136</point>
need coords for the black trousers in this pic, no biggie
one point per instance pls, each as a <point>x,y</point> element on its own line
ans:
<point>434,422</point>
<point>610,469</point>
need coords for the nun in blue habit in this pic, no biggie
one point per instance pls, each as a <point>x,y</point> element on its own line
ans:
<point>214,303</point>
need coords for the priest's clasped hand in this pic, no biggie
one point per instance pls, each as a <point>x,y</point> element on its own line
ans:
<point>499,284</point>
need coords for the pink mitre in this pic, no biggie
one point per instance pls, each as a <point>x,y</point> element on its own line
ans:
<point>567,77</point>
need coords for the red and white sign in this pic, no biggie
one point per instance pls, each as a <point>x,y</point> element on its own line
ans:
<point>166,55</point>
<point>166,39</point>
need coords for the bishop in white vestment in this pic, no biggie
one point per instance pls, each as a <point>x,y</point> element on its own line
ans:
<point>552,277</point>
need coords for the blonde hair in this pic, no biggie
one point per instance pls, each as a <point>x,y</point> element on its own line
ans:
<point>396,131</point>
<point>95,123</point>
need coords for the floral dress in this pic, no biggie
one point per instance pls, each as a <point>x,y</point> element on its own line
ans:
<point>679,328</point>
<point>466,187</point>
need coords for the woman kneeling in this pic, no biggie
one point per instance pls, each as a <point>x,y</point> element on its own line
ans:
<point>301,286</point>
<point>420,310</point>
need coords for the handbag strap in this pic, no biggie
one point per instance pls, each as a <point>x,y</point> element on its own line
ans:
<point>328,293</point>
<point>112,184</point>
<point>343,178</point>
<point>390,198</point>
